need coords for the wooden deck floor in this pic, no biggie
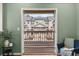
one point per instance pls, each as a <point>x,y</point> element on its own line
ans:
<point>39,51</point>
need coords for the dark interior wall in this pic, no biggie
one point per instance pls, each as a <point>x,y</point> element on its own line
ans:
<point>12,20</point>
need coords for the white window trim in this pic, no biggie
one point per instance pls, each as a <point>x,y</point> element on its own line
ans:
<point>56,27</point>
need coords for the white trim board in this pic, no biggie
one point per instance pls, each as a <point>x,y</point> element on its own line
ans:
<point>17,54</point>
<point>1,19</point>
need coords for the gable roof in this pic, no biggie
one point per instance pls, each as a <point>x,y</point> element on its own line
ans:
<point>39,25</point>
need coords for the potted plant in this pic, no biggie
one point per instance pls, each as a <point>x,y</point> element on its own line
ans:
<point>6,37</point>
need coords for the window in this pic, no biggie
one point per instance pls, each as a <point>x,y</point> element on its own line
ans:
<point>43,35</point>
